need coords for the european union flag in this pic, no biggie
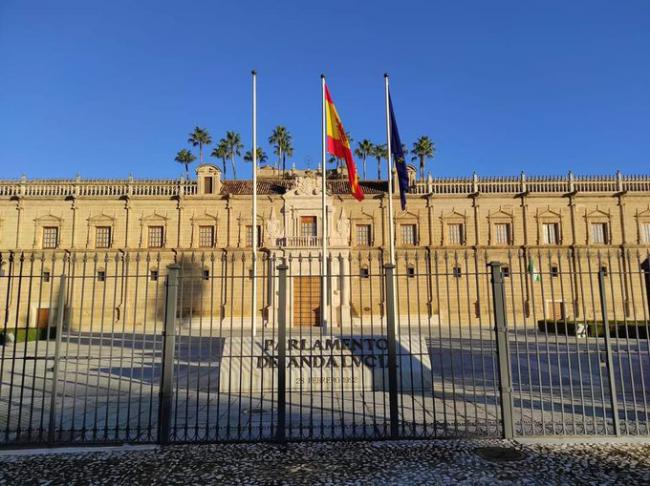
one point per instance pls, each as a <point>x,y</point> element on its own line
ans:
<point>398,156</point>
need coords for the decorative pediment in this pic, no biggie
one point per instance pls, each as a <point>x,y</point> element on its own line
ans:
<point>407,214</point>
<point>502,212</point>
<point>204,217</point>
<point>454,215</point>
<point>154,218</point>
<point>643,213</point>
<point>362,215</point>
<point>548,213</point>
<point>306,186</point>
<point>101,219</point>
<point>597,213</point>
<point>48,219</point>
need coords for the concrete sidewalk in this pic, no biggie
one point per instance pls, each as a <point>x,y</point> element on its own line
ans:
<point>401,462</point>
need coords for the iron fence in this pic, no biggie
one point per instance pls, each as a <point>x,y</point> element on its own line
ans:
<point>182,347</point>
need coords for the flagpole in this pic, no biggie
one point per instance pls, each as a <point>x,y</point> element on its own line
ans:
<point>389,160</point>
<point>324,210</point>
<point>254,210</point>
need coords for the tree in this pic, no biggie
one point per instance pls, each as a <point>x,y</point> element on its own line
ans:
<point>198,138</point>
<point>233,149</point>
<point>261,155</point>
<point>379,152</point>
<point>423,149</point>
<point>363,151</point>
<point>281,140</point>
<point>221,152</point>
<point>185,157</point>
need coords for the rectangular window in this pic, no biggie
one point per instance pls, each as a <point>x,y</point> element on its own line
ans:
<point>249,236</point>
<point>103,237</point>
<point>599,233</point>
<point>502,233</point>
<point>206,236</point>
<point>455,234</point>
<point>364,272</point>
<point>50,237</point>
<point>645,233</point>
<point>457,272</point>
<point>156,236</point>
<point>101,276</point>
<point>153,275</point>
<point>409,234</point>
<point>207,185</point>
<point>551,233</point>
<point>363,235</point>
<point>308,226</point>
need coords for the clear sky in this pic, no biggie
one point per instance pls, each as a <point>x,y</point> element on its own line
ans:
<point>108,88</point>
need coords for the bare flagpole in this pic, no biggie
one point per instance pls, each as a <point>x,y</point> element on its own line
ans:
<point>323,305</point>
<point>389,160</point>
<point>254,211</point>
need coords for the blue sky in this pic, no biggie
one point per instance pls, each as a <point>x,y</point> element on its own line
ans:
<point>108,88</point>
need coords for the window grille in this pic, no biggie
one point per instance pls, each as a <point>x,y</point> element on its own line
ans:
<point>502,233</point>
<point>50,237</point>
<point>103,237</point>
<point>599,234</point>
<point>363,235</point>
<point>155,236</point>
<point>645,233</point>
<point>249,236</point>
<point>206,236</point>
<point>409,236</point>
<point>551,233</point>
<point>455,234</point>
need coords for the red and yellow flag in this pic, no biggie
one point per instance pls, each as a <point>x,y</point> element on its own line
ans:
<point>339,146</point>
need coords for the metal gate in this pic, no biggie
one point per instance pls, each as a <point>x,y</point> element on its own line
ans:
<point>166,347</point>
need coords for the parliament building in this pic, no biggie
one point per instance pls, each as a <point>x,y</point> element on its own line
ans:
<point>114,240</point>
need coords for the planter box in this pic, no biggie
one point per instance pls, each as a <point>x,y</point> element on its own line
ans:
<point>621,329</point>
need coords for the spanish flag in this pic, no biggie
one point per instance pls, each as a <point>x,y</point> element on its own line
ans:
<point>339,146</point>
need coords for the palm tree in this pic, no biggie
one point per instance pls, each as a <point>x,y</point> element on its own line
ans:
<point>185,157</point>
<point>198,138</point>
<point>261,155</point>
<point>281,140</point>
<point>363,151</point>
<point>379,152</point>
<point>423,148</point>
<point>233,148</point>
<point>221,152</point>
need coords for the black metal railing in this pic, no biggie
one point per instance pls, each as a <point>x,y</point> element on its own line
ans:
<point>182,347</point>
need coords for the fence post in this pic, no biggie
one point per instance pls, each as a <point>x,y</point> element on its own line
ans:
<point>609,361</point>
<point>280,432</point>
<point>60,311</point>
<point>503,350</point>
<point>392,350</point>
<point>169,342</point>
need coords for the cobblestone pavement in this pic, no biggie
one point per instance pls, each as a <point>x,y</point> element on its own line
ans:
<point>402,462</point>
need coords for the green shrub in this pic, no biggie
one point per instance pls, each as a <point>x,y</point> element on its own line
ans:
<point>27,334</point>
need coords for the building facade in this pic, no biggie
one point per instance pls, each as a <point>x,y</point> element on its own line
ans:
<point>115,238</point>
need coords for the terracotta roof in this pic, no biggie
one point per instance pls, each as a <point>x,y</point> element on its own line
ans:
<point>265,187</point>
<point>241,188</point>
<point>368,187</point>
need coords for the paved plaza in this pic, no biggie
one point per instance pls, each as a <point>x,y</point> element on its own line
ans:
<point>108,389</point>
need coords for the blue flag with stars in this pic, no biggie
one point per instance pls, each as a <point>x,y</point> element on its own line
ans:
<point>398,156</point>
